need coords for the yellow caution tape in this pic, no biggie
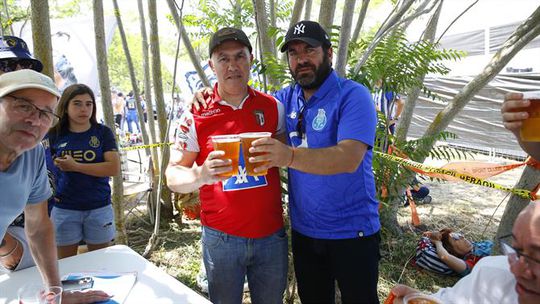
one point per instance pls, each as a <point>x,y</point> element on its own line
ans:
<point>146,146</point>
<point>464,177</point>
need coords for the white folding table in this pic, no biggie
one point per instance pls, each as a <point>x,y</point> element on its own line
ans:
<point>153,285</point>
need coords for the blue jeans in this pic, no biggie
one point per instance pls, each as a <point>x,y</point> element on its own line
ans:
<point>228,259</point>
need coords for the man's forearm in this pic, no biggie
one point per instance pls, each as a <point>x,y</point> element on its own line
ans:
<point>43,248</point>
<point>183,180</point>
<point>342,158</point>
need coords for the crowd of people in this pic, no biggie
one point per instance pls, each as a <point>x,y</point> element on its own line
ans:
<point>334,216</point>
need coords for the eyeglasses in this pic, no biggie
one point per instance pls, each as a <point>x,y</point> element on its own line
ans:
<point>24,107</point>
<point>14,64</point>
<point>515,254</point>
<point>300,127</point>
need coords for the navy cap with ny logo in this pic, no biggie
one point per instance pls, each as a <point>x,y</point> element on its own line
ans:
<point>309,32</point>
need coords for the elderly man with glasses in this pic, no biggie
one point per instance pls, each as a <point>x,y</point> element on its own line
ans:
<point>513,278</point>
<point>27,103</point>
<point>14,56</point>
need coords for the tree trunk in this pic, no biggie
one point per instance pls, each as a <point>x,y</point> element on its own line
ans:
<point>272,10</point>
<point>165,198</point>
<point>391,21</point>
<point>296,12</point>
<point>6,11</point>
<point>525,33</point>
<point>412,97</point>
<point>149,102</point>
<point>295,17</point>
<point>238,14</point>
<point>420,8</point>
<point>132,76</point>
<point>307,11</point>
<point>195,60</point>
<point>266,42</point>
<point>326,14</point>
<point>344,35</point>
<point>105,89</point>
<point>41,35</point>
<point>360,21</point>
<point>528,180</point>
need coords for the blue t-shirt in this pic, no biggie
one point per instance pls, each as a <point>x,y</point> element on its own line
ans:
<point>75,190</point>
<point>342,205</point>
<point>24,182</point>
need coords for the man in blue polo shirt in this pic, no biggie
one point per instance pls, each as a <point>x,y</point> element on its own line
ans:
<point>331,125</point>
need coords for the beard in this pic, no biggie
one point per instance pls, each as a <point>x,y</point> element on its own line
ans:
<point>314,78</point>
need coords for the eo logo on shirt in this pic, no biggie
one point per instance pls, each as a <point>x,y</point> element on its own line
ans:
<point>243,181</point>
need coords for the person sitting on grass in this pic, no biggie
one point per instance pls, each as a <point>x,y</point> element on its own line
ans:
<point>449,252</point>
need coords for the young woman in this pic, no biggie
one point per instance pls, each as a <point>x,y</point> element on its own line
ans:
<point>86,155</point>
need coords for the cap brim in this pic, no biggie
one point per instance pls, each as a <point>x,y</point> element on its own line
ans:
<point>10,89</point>
<point>312,42</point>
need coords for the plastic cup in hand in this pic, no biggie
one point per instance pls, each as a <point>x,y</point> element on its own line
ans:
<point>530,130</point>
<point>247,139</point>
<point>51,295</point>
<point>230,144</point>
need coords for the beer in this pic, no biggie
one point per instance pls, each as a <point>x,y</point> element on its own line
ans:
<point>247,139</point>
<point>419,298</point>
<point>530,129</point>
<point>231,145</point>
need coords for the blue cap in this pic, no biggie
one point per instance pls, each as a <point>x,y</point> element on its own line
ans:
<point>12,47</point>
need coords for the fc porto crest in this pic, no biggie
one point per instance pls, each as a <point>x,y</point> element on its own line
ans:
<point>259,116</point>
<point>94,142</point>
<point>320,120</point>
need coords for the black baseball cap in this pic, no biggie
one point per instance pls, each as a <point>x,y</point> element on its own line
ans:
<point>226,34</point>
<point>309,32</point>
<point>12,47</point>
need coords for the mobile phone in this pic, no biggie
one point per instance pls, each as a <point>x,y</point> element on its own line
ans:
<point>78,283</point>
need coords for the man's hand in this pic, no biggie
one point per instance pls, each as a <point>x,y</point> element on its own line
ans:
<point>514,111</point>
<point>83,297</point>
<point>14,251</point>
<point>202,98</point>
<point>277,154</point>
<point>213,166</point>
<point>66,163</point>
<point>401,291</point>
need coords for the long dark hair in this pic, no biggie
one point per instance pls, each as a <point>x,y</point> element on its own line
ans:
<point>69,93</point>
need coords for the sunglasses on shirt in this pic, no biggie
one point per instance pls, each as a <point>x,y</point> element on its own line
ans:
<point>300,127</point>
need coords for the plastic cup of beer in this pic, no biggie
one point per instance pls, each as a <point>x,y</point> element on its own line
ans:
<point>530,129</point>
<point>420,298</point>
<point>230,144</point>
<point>247,139</point>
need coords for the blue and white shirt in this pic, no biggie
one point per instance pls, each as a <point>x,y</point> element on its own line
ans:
<point>342,205</point>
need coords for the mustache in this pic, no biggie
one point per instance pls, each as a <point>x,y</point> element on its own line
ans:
<point>305,65</point>
<point>26,128</point>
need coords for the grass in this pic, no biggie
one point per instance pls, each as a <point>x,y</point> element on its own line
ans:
<point>460,206</point>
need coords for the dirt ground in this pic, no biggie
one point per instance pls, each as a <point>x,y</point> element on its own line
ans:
<point>464,207</point>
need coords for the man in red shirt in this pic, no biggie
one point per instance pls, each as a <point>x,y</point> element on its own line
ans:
<point>242,215</point>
